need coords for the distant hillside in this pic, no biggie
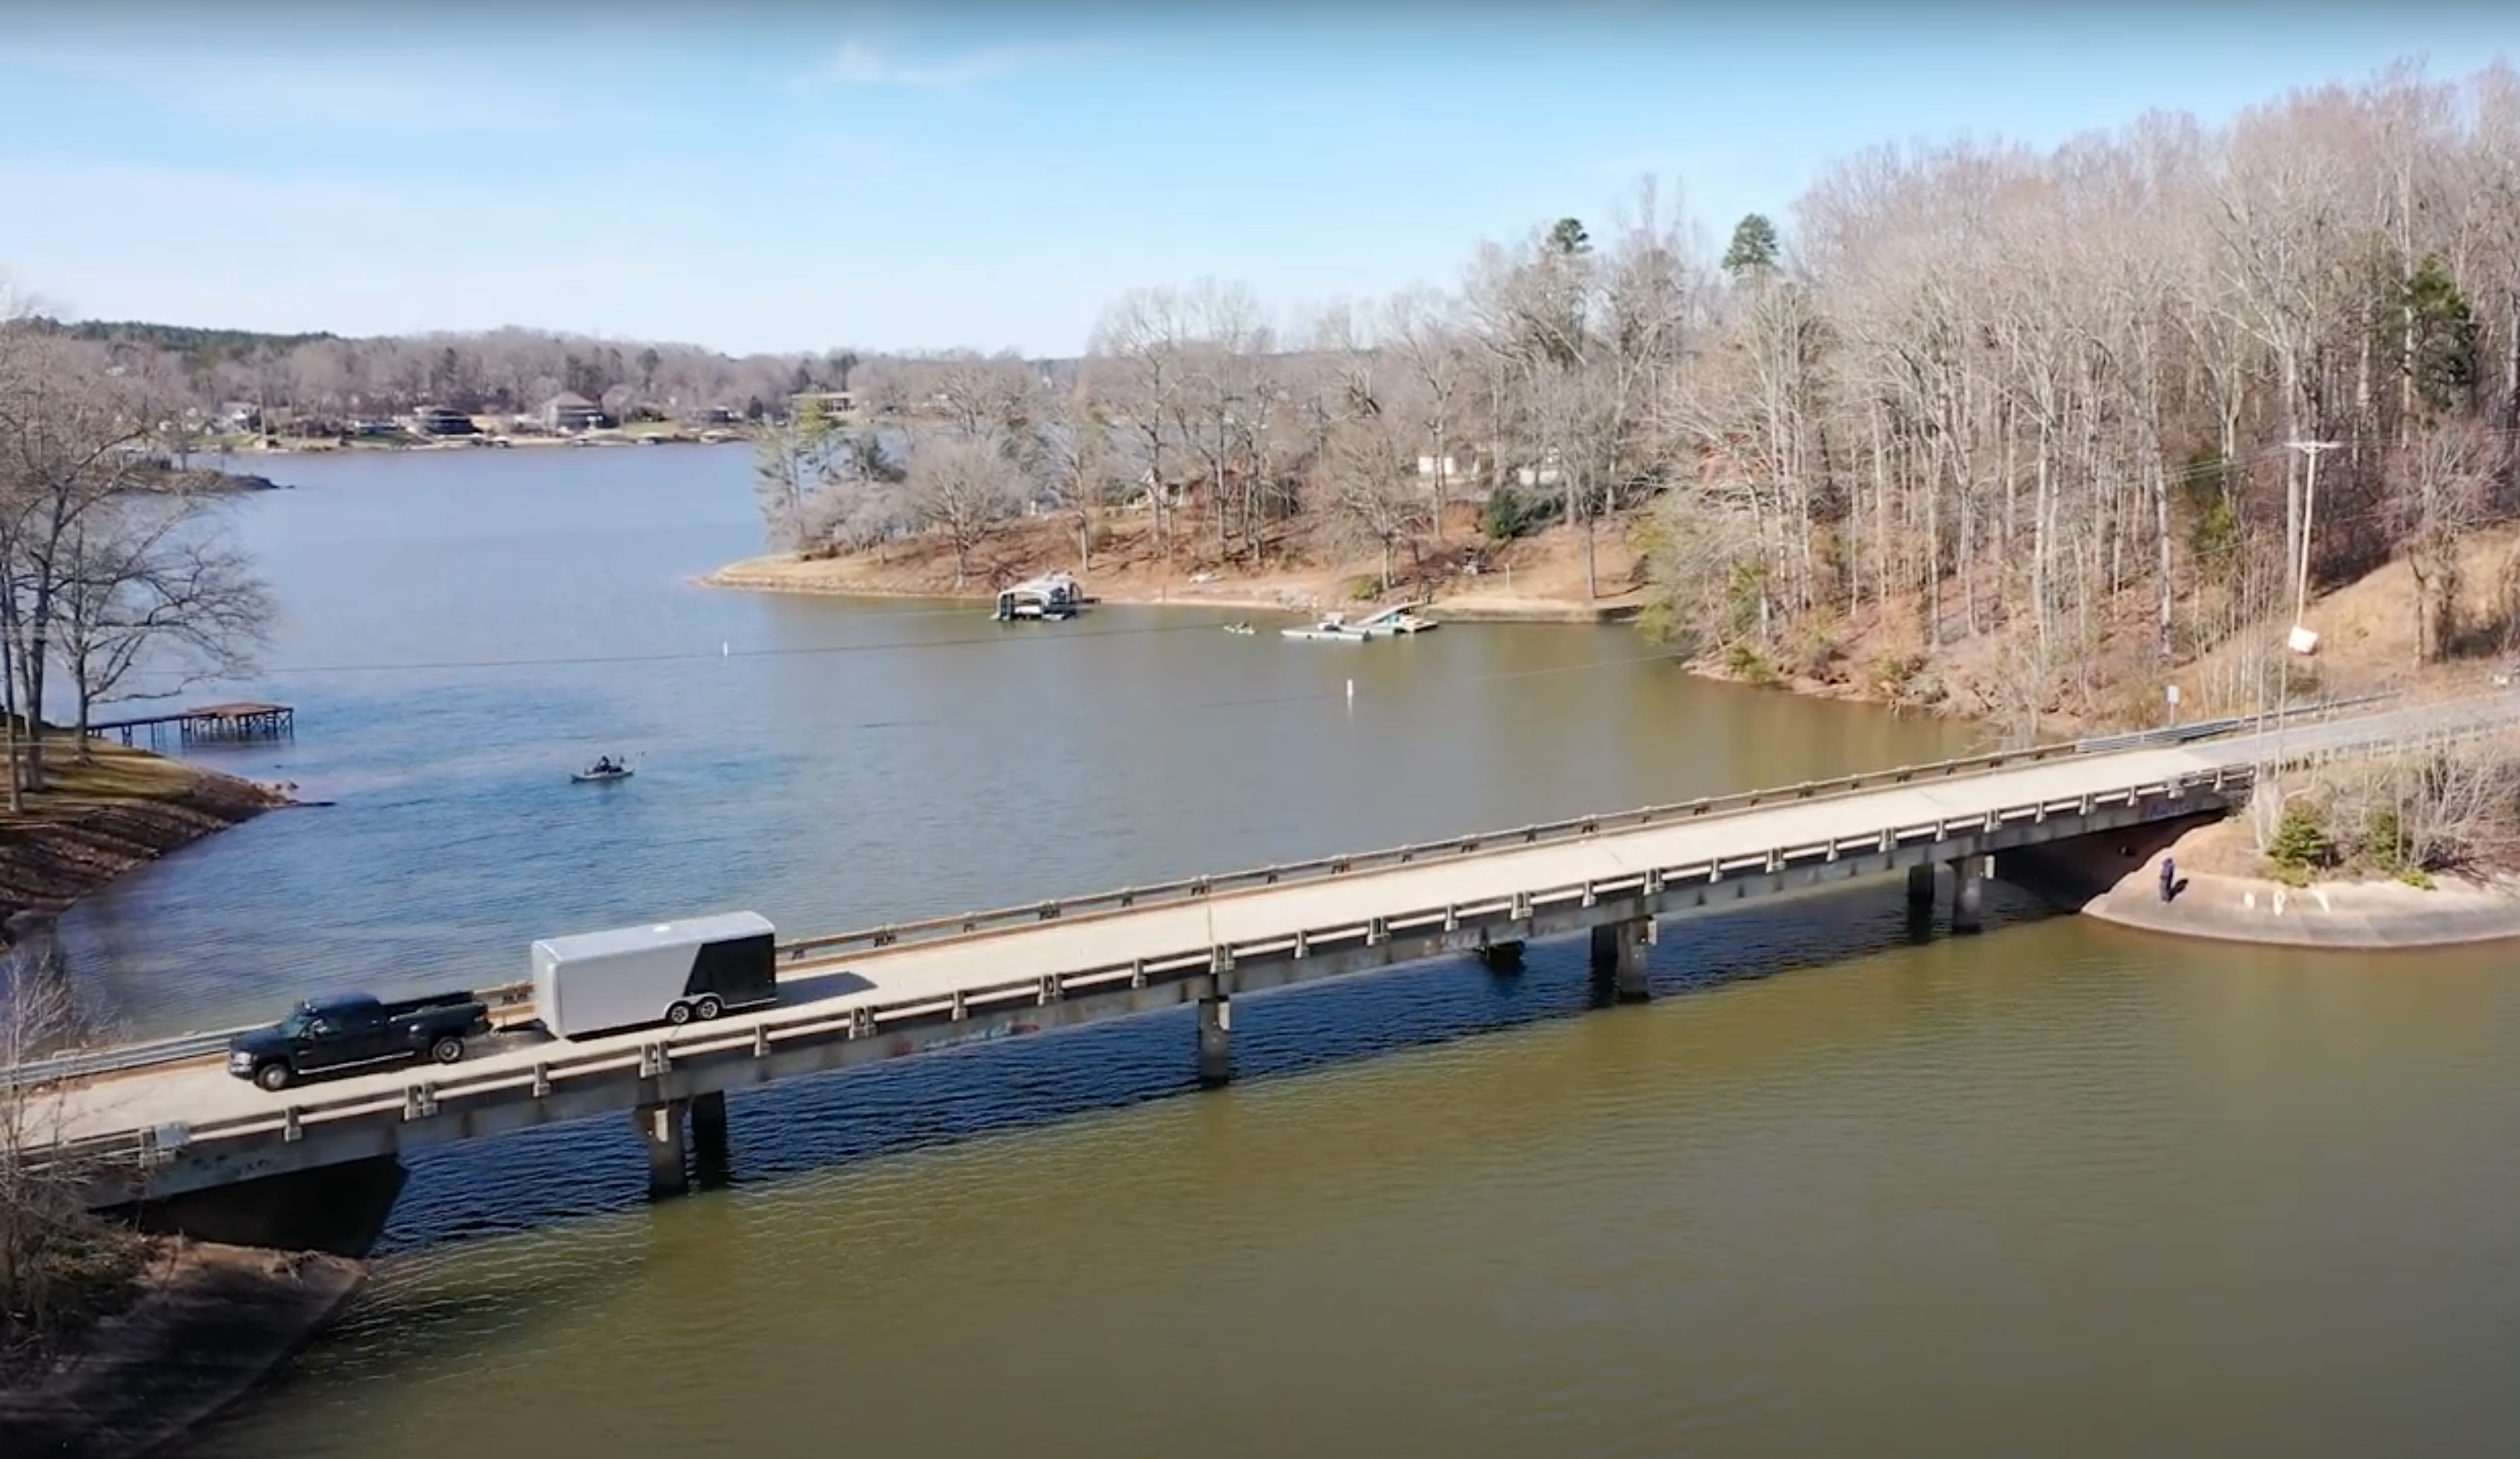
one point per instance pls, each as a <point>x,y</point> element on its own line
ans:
<point>202,346</point>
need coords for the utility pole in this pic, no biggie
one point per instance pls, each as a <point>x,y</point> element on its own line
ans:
<point>2309,507</point>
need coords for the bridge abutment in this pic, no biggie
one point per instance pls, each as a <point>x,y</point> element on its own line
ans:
<point>340,1209</point>
<point>1215,1041</point>
<point>1921,885</point>
<point>1619,958</point>
<point>712,1159</point>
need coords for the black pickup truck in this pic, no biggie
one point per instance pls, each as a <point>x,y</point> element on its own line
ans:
<point>351,1029</point>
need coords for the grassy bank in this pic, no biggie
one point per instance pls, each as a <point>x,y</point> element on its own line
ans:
<point>99,819</point>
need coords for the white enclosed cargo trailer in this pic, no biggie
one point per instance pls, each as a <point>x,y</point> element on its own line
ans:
<point>667,972</point>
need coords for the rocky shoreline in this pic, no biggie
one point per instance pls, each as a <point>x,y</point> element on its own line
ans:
<point>211,1322</point>
<point>204,479</point>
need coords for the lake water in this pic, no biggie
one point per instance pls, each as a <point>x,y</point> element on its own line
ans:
<point>2054,1190</point>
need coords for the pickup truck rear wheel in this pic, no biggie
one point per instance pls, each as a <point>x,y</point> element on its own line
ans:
<point>273,1077</point>
<point>447,1050</point>
<point>709,1007</point>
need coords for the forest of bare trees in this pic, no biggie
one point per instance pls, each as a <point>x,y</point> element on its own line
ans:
<point>2146,391</point>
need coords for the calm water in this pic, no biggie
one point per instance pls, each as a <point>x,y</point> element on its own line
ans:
<point>2055,1190</point>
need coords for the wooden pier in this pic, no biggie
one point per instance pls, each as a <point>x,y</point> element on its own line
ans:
<point>207,724</point>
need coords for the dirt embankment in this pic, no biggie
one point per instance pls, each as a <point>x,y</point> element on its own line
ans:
<point>96,820</point>
<point>205,1325</point>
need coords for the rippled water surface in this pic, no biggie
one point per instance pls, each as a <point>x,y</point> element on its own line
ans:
<point>2054,1190</point>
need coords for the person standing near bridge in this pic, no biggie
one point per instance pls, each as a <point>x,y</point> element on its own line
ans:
<point>2169,878</point>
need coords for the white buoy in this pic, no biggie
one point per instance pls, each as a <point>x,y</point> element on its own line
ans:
<point>725,650</point>
<point>1351,691</point>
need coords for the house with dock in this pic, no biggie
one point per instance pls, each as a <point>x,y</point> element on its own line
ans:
<point>569,411</point>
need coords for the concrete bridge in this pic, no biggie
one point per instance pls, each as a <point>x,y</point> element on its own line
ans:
<point>190,1147</point>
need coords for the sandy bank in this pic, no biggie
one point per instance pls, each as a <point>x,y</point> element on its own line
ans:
<point>213,1322</point>
<point>1535,595</point>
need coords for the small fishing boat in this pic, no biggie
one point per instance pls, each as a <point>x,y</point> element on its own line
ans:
<point>602,772</point>
<point>1240,628</point>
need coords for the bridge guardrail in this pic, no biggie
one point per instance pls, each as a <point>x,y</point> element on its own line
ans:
<point>865,1021</point>
<point>85,1063</point>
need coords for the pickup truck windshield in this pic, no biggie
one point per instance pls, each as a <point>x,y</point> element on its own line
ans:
<point>294,1026</point>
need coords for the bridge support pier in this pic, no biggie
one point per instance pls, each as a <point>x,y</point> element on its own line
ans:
<point>1619,958</point>
<point>1502,957</point>
<point>712,1159</point>
<point>668,1155</point>
<point>1920,884</point>
<point>1215,1041</point>
<point>1968,892</point>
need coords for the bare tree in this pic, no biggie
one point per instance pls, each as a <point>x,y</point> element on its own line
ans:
<point>156,591</point>
<point>2444,478</point>
<point>962,487</point>
<point>1076,459</point>
<point>72,438</point>
<point>1368,473</point>
<point>789,460</point>
<point>1143,336</point>
<point>56,1263</point>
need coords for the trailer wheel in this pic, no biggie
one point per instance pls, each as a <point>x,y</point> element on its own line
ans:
<point>679,1014</point>
<point>273,1077</point>
<point>709,1007</point>
<point>447,1050</point>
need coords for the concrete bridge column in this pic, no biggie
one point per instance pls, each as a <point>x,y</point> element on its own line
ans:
<point>1920,884</point>
<point>1968,892</point>
<point>711,1158</point>
<point>1619,958</point>
<point>1215,1041</point>
<point>1502,957</point>
<point>668,1155</point>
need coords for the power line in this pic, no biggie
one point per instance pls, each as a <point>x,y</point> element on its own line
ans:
<point>725,651</point>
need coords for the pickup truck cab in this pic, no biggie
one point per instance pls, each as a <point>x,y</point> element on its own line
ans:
<point>349,1031</point>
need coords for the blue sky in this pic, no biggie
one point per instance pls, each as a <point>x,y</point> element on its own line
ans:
<point>786,177</point>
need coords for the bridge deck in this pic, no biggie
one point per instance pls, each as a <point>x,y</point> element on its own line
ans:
<point>813,992</point>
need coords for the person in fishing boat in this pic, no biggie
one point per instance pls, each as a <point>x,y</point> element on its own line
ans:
<point>603,765</point>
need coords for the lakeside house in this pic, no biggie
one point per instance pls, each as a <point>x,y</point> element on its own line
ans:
<point>569,411</point>
<point>441,420</point>
<point>836,402</point>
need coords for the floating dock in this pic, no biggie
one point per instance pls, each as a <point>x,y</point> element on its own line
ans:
<point>1048,599</point>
